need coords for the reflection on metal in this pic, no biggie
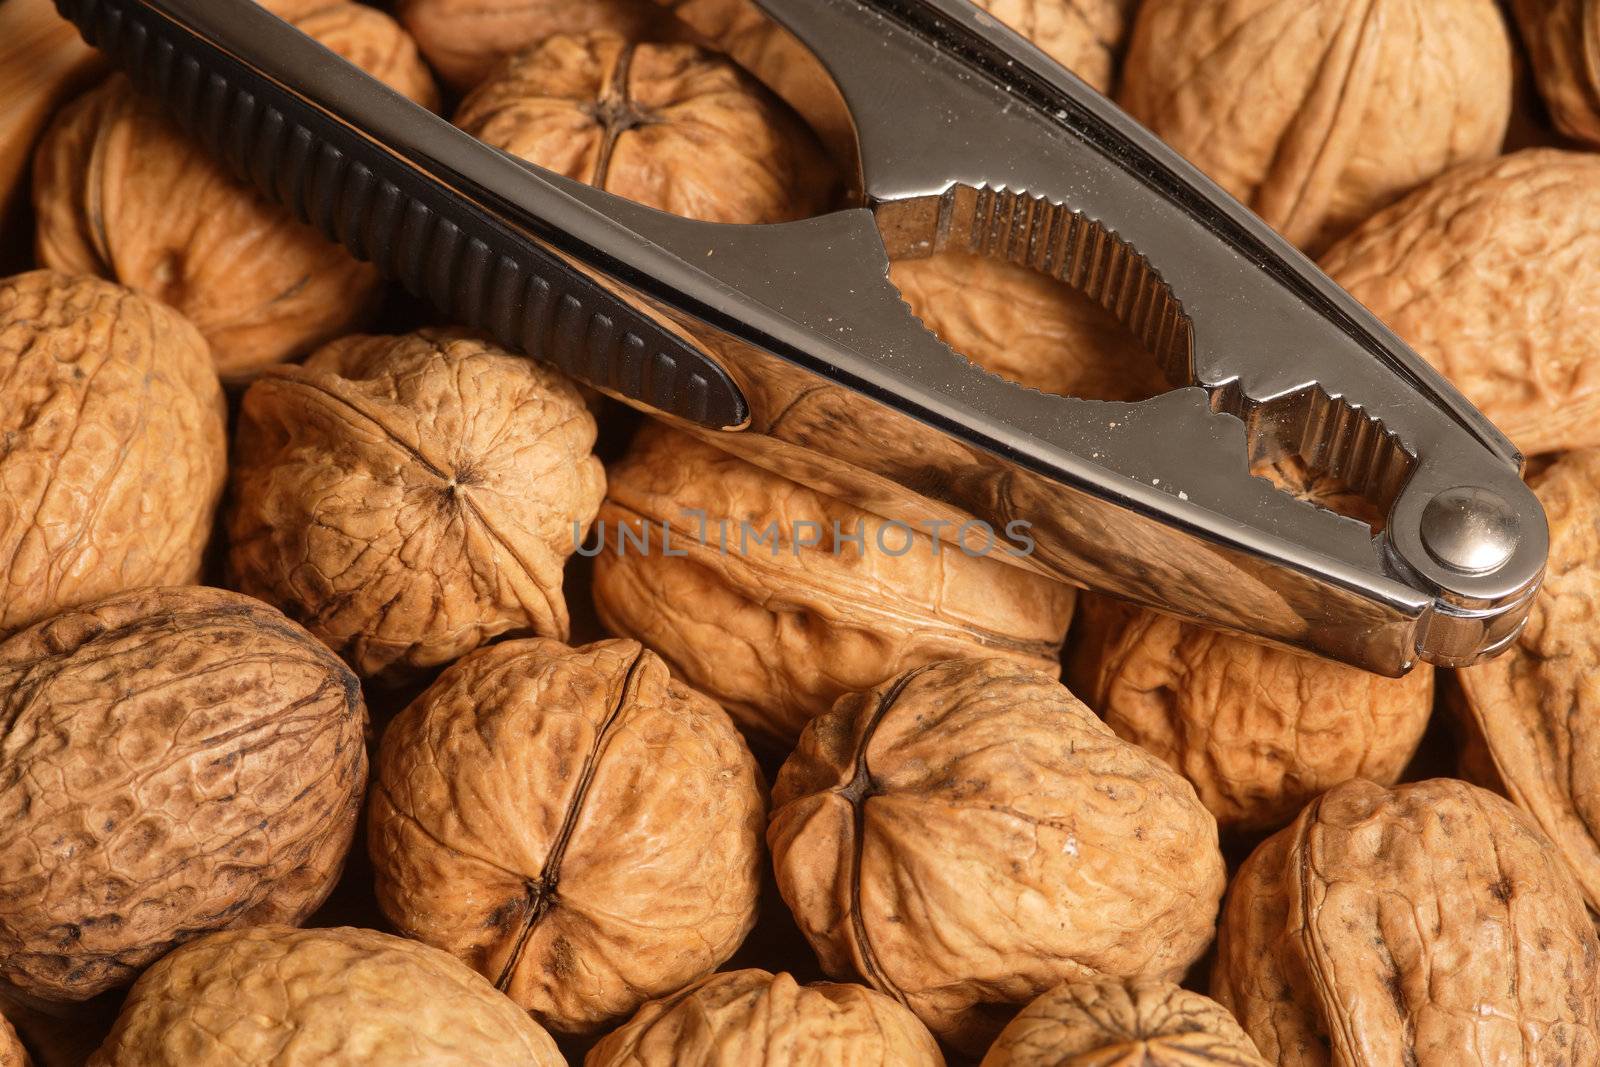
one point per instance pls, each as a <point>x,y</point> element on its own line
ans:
<point>788,345</point>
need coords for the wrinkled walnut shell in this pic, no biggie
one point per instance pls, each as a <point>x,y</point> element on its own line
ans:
<point>1023,325</point>
<point>673,126</point>
<point>1431,924</point>
<point>1317,113</point>
<point>1257,730</point>
<point>121,192</point>
<point>1563,39</point>
<point>467,40</point>
<point>173,761</point>
<point>12,1054</point>
<point>754,1018</point>
<point>1488,273</point>
<point>1107,1023</point>
<point>574,824</point>
<point>319,998</point>
<point>409,498</point>
<point>776,632</point>
<point>1535,710</point>
<point>112,444</point>
<point>969,835</point>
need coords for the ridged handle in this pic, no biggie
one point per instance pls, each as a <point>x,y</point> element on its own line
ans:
<point>438,244</point>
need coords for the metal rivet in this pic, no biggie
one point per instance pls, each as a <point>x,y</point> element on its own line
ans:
<point>1469,529</point>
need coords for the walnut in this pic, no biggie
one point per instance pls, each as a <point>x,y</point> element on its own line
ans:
<point>1563,37</point>
<point>12,1054</point>
<point>672,126</point>
<point>1535,710</point>
<point>409,498</point>
<point>112,444</point>
<point>969,835</point>
<point>1487,272</point>
<point>574,824</point>
<point>466,40</point>
<point>1143,1023</point>
<point>757,1018</point>
<point>775,629</point>
<point>1021,324</point>
<point>1431,924</point>
<point>121,192</point>
<point>1317,113</point>
<point>175,761</point>
<point>1257,730</point>
<point>319,998</point>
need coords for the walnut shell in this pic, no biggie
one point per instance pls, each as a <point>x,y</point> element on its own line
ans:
<point>574,824</point>
<point>969,835</point>
<point>172,761</point>
<point>1487,273</point>
<point>1536,709</point>
<point>409,498</point>
<point>12,1054</point>
<point>121,192</point>
<point>1023,325</point>
<point>1431,924</point>
<point>1563,39</point>
<point>672,126</point>
<point>467,40</point>
<point>1257,730</point>
<point>777,632</point>
<point>1318,113</point>
<point>113,445</point>
<point>1107,1023</point>
<point>754,1018</point>
<point>275,997</point>
<point>1085,36</point>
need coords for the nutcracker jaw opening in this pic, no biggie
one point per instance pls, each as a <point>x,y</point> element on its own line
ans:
<point>788,344</point>
<point>970,139</point>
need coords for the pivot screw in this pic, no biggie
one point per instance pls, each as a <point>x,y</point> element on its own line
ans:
<point>1469,529</point>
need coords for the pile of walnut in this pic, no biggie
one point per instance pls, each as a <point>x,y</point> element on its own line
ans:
<point>321,744</point>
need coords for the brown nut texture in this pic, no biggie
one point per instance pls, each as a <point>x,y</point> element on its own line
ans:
<point>12,1054</point>
<point>342,997</point>
<point>466,41</point>
<point>672,125</point>
<point>969,835</point>
<point>1535,710</point>
<point>1487,272</point>
<point>1431,924</point>
<point>172,761</point>
<point>122,193</point>
<point>1317,113</point>
<point>753,1018</point>
<point>574,824</point>
<point>1108,1023</point>
<point>1563,39</point>
<point>1023,325</point>
<point>776,630</point>
<point>113,445</point>
<point>408,498</point>
<point>1257,730</point>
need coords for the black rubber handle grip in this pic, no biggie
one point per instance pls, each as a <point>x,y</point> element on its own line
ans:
<point>439,244</point>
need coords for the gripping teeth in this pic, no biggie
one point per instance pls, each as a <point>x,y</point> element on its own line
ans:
<point>1330,436</point>
<point>1327,433</point>
<point>1033,231</point>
